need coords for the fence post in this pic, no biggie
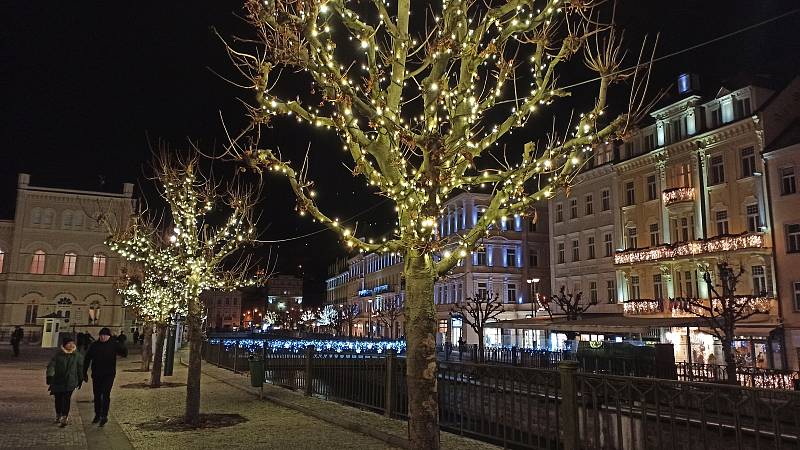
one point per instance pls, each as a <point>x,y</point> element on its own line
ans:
<point>569,404</point>
<point>389,384</point>
<point>514,355</point>
<point>235,355</point>
<point>309,377</point>
<point>219,353</point>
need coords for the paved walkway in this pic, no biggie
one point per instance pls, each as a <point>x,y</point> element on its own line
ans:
<point>26,414</point>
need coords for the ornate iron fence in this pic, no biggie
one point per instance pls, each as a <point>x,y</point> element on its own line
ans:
<point>747,376</point>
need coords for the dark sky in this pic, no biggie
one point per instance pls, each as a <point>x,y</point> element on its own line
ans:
<point>86,86</point>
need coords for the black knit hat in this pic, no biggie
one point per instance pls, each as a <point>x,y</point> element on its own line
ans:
<point>105,331</point>
<point>66,341</point>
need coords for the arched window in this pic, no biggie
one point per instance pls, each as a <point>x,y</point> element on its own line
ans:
<point>31,311</point>
<point>37,262</point>
<point>77,220</point>
<point>36,216</point>
<point>94,312</point>
<point>99,265</point>
<point>47,217</point>
<point>66,220</point>
<point>69,263</point>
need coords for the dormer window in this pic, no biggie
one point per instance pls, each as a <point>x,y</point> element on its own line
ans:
<point>741,107</point>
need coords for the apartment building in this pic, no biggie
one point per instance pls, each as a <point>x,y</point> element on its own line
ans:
<point>54,262</point>
<point>223,309</point>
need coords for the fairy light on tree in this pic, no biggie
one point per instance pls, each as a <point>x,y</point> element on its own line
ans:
<point>419,105</point>
<point>198,255</point>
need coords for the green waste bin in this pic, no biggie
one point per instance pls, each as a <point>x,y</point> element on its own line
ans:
<point>256,371</point>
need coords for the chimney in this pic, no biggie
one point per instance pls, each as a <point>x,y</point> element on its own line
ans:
<point>688,83</point>
<point>23,180</point>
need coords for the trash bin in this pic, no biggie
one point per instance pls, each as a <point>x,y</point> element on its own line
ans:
<point>256,371</point>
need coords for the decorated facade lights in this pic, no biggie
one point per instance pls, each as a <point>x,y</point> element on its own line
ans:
<point>320,345</point>
<point>677,195</point>
<point>691,248</point>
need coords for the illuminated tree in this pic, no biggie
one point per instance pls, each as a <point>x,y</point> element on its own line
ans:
<point>200,247</point>
<point>476,312</point>
<point>390,311</point>
<point>421,103</point>
<point>328,316</point>
<point>724,311</point>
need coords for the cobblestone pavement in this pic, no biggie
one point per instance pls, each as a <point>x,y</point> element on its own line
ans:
<point>26,407</point>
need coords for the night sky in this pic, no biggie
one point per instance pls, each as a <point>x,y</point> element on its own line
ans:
<point>86,87</point>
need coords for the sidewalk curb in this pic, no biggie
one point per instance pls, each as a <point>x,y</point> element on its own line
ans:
<point>389,438</point>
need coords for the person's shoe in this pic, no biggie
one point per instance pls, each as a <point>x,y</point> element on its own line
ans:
<point>58,420</point>
<point>96,419</point>
<point>103,421</point>
<point>63,422</point>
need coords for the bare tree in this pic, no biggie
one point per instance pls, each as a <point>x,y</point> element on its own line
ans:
<point>390,311</point>
<point>421,107</point>
<point>476,312</point>
<point>567,303</point>
<point>724,311</point>
<point>346,316</point>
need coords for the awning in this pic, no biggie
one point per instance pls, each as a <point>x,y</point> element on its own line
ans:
<point>601,323</point>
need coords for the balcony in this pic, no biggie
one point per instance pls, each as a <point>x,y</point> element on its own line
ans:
<point>680,307</point>
<point>692,248</point>
<point>678,197</point>
<point>643,307</point>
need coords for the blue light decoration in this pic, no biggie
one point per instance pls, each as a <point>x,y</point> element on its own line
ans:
<point>380,289</point>
<point>320,345</point>
<point>365,292</point>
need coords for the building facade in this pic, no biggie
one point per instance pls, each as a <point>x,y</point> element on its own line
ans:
<point>223,309</point>
<point>54,262</point>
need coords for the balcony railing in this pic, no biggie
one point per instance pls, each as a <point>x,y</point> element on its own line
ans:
<point>691,248</point>
<point>641,307</point>
<point>684,307</point>
<point>677,195</point>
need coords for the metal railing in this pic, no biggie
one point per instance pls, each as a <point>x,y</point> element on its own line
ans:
<point>520,407</point>
<point>747,376</point>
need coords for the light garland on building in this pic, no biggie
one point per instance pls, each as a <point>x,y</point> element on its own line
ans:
<point>676,195</point>
<point>699,247</point>
<point>320,345</point>
<point>642,307</point>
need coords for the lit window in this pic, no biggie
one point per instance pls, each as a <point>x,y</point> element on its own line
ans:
<point>788,185</point>
<point>37,262</point>
<point>748,162</point>
<point>69,264</point>
<point>99,265</point>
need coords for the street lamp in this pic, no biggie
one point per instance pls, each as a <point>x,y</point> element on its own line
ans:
<point>369,317</point>
<point>534,295</point>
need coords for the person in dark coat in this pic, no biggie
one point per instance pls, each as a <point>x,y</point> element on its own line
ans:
<point>16,338</point>
<point>102,358</point>
<point>135,336</point>
<point>64,374</point>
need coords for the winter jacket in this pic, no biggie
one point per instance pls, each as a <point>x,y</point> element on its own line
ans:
<point>102,357</point>
<point>16,336</point>
<point>65,371</point>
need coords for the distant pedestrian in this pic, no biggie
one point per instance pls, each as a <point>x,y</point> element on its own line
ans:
<point>16,338</point>
<point>64,374</point>
<point>135,336</point>
<point>102,358</point>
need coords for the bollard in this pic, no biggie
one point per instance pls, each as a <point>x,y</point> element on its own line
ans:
<point>389,386</point>
<point>309,378</point>
<point>235,355</point>
<point>569,404</point>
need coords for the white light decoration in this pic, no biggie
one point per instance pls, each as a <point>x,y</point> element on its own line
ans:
<point>677,195</point>
<point>691,248</point>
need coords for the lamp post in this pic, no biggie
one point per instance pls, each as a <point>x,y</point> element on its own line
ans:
<point>534,295</point>
<point>369,318</point>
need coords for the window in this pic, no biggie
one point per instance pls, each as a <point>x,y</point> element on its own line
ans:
<point>627,150</point>
<point>634,287</point>
<point>611,291</point>
<point>630,194</point>
<point>561,253</point>
<point>511,257</point>
<point>2,259</point>
<point>443,326</point>
<point>36,216</point>
<point>482,289</point>
<point>66,220</point>
<point>654,235</point>
<point>98,265</point>
<point>533,258</point>
<point>741,107</point>
<point>796,285</point>
<point>31,312</point>
<point>590,247</point>
<point>589,206</point>
<point>717,170</point>
<point>576,250</point>
<point>688,283</point>
<point>37,262</point>
<point>681,175</point>
<point>793,238</point>
<point>632,238</point>
<point>573,208</point>
<point>722,222</point>
<point>682,229</point>
<point>608,242</point>
<point>479,214</point>
<point>716,117</point>
<point>593,291</point>
<point>481,257</point>
<point>651,188</point>
<point>753,221</point>
<point>748,162</point>
<point>649,142</point>
<point>559,212</point>
<point>788,185</point>
<point>658,288</point>
<point>759,280</point>
<point>605,200</point>
<point>511,293</point>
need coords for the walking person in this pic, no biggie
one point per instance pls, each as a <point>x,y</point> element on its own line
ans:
<point>102,358</point>
<point>64,374</point>
<point>16,338</point>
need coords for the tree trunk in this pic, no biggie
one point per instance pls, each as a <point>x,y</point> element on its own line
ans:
<point>147,346</point>
<point>423,408</point>
<point>481,355</point>
<point>195,322</point>
<point>158,356</point>
<point>730,361</point>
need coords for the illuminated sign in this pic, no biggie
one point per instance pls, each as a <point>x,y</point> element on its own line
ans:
<point>380,289</point>
<point>365,292</point>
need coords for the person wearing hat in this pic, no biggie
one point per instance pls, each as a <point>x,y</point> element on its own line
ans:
<point>64,374</point>
<point>102,358</point>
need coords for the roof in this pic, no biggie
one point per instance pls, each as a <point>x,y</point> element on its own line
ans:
<point>789,136</point>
